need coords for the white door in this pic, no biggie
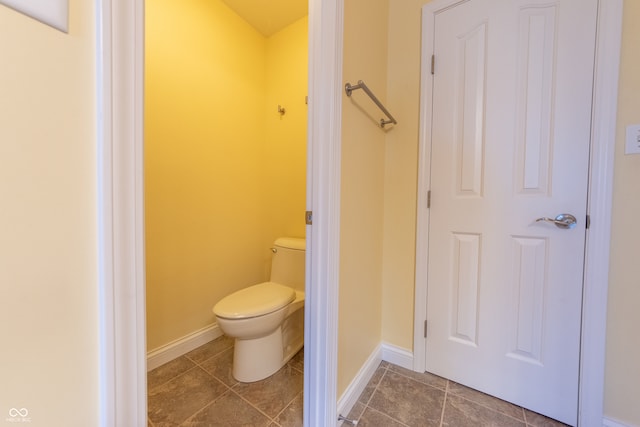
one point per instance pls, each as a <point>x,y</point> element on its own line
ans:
<point>509,122</point>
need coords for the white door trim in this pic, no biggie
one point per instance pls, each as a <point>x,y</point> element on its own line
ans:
<point>592,362</point>
<point>323,198</point>
<point>119,85</point>
<point>596,282</point>
<point>120,222</point>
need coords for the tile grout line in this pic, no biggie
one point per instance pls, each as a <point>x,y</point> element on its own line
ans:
<point>213,377</point>
<point>366,405</point>
<point>387,415</point>
<point>492,409</point>
<point>475,402</point>
<point>413,379</point>
<point>253,406</point>
<point>196,364</point>
<point>205,406</point>
<point>444,403</point>
<point>228,388</point>
<point>471,400</point>
<point>375,389</point>
<point>387,369</point>
<point>208,358</point>
<point>172,378</point>
<point>232,388</point>
<point>286,406</point>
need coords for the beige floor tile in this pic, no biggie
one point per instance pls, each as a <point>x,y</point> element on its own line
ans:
<point>297,361</point>
<point>176,400</point>
<point>423,377</point>
<point>537,420</point>
<point>371,385</point>
<point>460,412</point>
<point>408,401</point>
<point>373,418</point>
<point>273,394</point>
<point>221,366</point>
<point>356,412</point>
<point>486,400</point>
<point>169,370</point>
<point>291,416</point>
<point>228,411</point>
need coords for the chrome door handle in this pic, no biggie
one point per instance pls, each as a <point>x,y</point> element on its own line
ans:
<point>565,221</point>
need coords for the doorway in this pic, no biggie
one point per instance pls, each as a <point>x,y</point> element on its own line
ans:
<point>121,224</point>
<point>225,156</point>
<point>469,244</point>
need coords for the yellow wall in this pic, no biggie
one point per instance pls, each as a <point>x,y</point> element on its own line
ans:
<point>401,173</point>
<point>362,188</point>
<point>286,135</point>
<point>623,368</point>
<point>215,148</point>
<point>48,269</point>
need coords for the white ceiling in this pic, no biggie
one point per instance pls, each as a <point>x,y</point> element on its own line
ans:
<point>269,16</point>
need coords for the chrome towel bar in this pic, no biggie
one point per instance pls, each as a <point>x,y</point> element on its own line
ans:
<point>348,88</point>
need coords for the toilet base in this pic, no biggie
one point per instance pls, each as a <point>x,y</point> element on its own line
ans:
<point>256,359</point>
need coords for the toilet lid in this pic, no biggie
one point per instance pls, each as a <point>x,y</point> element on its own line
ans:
<point>255,300</point>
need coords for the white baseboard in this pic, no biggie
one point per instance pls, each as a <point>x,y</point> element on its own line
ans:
<point>397,355</point>
<point>608,422</point>
<point>357,386</point>
<point>384,351</point>
<point>177,348</point>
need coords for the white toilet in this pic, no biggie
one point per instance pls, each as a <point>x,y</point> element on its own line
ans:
<point>267,320</point>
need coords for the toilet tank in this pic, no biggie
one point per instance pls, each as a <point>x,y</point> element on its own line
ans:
<point>287,263</point>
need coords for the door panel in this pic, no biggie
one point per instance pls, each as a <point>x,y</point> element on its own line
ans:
<point>510,134</point>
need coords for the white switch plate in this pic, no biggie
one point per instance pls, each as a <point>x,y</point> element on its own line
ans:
<point>633,140</point>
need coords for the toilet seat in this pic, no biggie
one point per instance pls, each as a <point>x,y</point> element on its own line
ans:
<point>254,301</point>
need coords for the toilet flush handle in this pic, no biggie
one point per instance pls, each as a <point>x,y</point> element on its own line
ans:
<point>274,250</point>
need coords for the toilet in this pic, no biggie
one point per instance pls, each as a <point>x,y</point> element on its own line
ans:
<point>267,319</point>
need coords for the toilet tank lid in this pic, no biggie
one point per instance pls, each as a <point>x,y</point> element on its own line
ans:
<point>256,300</point>
<point>291,243</point>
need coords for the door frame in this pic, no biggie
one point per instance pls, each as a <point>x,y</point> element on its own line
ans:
<point>120,211</point>
<point>600,190</point>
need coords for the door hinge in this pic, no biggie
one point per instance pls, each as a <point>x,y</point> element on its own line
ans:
<point>433,64</point>
<point>429,199</point>
<point>308,217</point>
<point>588,221</point>
<point>425,328</point>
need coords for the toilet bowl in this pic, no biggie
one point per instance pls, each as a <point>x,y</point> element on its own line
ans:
<point>267,319</point>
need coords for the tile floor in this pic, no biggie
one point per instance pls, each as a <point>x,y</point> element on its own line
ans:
<point>197,390</point>
<point>398,397</point>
